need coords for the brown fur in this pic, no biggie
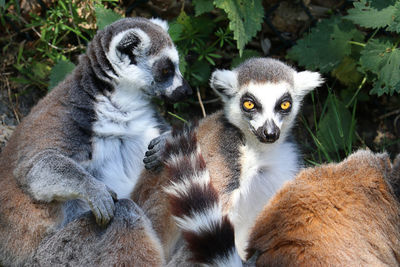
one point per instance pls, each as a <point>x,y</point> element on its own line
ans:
<point>150,196</point>
<point>24,223</point>
<point>208,135</point>
<point>341,214</point>
<point>128,241</point>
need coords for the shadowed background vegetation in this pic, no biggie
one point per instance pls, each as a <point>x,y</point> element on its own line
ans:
<point>354,44</point>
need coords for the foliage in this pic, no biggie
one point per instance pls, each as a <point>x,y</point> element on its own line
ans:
<point>62,30</point>
<point>67,26</point>
<point>332,42</point>
<point>382,58</point>
<point>360,50</point>
<point>326,45</point>
<point>385,15</point>
<point>105,16</point>
<point>203,6</point>
<point>245,18</point>
<point>200,38</point>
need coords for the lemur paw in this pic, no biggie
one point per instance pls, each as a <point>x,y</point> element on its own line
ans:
<point>101,201</point>
<point>153,157</point>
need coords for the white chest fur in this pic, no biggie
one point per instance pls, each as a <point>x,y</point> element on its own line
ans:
<point>263,173</point>
<point>120,139</point>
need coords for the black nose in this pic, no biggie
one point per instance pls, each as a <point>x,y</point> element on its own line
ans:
<point>181,92</point>
<point>272,136</point>
<point>269,132</point>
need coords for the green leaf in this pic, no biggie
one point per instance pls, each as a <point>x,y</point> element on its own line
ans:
<point>201,72</point>
<point>59,72</point>
<point>247,53</point>
<point>373,55</point>
<point>334,129</point>
<point>394,26</point>
<point>203,26</point>
<point>381,4</point>
<point>183,19</point>
<point>202,6</point>
<point>326,45</point>
<point>175,31</point>
<point>347,72</point>
<point>245,18</point>
<point>105,16</point>
<point>370,14</point>
<point>381,58</point>
<point>182,64</point>
<point>40,70</point>
<point>2,3</point>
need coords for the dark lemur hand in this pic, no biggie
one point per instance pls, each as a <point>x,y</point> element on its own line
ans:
<point>153,157</point>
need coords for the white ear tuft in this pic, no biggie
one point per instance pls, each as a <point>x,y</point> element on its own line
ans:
<point>162,23</point>
<point>306,81</point>
<point>224,83</point>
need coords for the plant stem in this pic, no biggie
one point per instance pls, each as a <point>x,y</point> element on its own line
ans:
<point>373,35</point>
<point>358,90</point>
<point>357,43</point>
<point>177,116</point>
<point>201,103</point>
<point>396,44</point>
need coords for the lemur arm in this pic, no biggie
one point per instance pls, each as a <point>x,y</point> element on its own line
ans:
<point>55,177</point>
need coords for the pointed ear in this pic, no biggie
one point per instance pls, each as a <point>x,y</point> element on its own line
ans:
<point>224,83</point>
<point>131,43</point>
<point>306,81</point>
<point>162,23</point>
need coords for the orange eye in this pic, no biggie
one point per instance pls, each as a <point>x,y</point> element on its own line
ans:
<point>248,105</point>
<point>165,71</point>
<point>285,105</point>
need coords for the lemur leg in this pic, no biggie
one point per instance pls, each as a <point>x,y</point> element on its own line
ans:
<point>53,176</point>
<point>129,240</point>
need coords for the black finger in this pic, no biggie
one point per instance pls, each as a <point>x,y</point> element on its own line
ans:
<point>150,158</point>
<point>150,152</point>
<point>154,142</point>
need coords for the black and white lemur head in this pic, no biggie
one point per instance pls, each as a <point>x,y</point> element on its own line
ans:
<point>262,96</point>
<point>138,54</point>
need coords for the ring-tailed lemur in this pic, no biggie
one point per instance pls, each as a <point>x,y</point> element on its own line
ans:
<point>237,171</point>
<point>338,214</point>
<point>87,138</point>
<point>244,147</point>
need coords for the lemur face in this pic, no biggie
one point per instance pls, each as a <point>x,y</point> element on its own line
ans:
<point>265,107</point>
<point>144,58</point>
<point>263,96</point>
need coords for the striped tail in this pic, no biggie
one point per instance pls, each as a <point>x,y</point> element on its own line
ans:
<point>195,204</point>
